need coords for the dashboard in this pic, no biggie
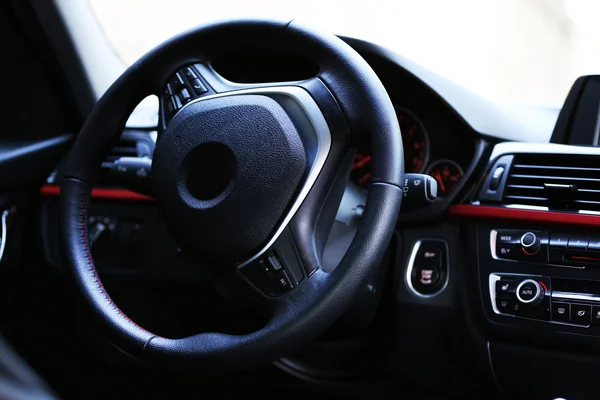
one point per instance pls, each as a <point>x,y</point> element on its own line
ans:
<point>448,134</point>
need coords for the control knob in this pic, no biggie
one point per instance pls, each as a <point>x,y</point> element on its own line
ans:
<point>530,292</point>
<point>530,243</point>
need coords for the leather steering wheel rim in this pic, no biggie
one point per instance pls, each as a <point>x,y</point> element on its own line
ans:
<point>364,107</point>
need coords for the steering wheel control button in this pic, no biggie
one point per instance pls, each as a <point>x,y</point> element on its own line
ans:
<point>273,263</point>
<point>177,82</point>
<point>173,104</point>
<point>428,267</point>
<point>198,87</point>
<point>189,73</point>
<point>505,288</point>
<point>505,306</point>
<point>168,91</point>
<point>530,292</point>
<point>561,312</point>
<point>185,96</point>
<point>279,284</point>
<point>578,242</point>
<point>530,243</point>
<point>269,276</point>
<point>581,314</point>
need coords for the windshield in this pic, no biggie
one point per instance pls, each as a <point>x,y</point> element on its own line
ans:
<point>505,50</point>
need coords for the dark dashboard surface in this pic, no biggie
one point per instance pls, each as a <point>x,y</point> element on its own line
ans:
<point>447,336</point>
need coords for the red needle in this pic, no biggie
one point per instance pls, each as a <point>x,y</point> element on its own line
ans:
<point>364,178</point>
<point>438,177</point>
<point>363,161</point>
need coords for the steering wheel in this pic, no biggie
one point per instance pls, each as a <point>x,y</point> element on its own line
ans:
<point>248,178</point>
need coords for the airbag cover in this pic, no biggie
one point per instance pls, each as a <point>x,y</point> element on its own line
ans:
<point>225,171</point>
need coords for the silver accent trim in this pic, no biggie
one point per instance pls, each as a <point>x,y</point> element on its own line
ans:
<point>493,236</point>
<point>411,265</point>
<point>576,296</point>
<point>597,129</point>
<point>534,298</point>
<point>492,286</point>
<point>320,138</point>
<point>4,233</point>
<point>541,148</point>
<point>527,207</point>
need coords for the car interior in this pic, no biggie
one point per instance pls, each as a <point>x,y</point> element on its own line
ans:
<point>257,207</point>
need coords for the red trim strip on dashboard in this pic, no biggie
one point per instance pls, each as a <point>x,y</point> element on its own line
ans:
<point>513,214</point>
<point>101,193</point>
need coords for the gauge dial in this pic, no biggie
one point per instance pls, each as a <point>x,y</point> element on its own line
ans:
<point>416,148</point>
<point>447,173</point>
<point>415,140</point>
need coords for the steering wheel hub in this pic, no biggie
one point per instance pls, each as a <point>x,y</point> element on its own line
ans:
<point>225,170</point>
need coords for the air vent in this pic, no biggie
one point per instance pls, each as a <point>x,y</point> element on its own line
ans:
<point>127,147</point>
<point>131,144</point>
<point>554,181</point>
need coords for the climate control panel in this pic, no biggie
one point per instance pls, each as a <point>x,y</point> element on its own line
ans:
<point>533,297</point>
<point>521,296</point>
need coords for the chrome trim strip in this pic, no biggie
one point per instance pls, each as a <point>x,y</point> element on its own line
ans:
<point>4,233</point>
<point>576,296</point>
<point>541,148</point>
<point>411,264</point>
<point>315,132</point>
<point>492,286</point>
<point>537,285</point>
<point>493,236</point>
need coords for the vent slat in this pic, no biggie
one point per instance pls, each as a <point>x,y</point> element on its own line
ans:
<point>554,178</point>
<point>524,187</point>
<point>529,173</point>
<point>125,148</point>
<point>546,167</point>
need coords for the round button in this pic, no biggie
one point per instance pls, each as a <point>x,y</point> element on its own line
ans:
<point>426,279</point>
<point>530,243</point>
<point>530,292</point>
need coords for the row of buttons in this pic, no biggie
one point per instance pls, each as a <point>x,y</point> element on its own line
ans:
<point>523,297</point>
<point>269,275</point>
<point>574,242</point>
<point>182,88</point>
<point>580,314</point>
<point>556,240</point>
<point>540,247</point>
<point>516,308</point>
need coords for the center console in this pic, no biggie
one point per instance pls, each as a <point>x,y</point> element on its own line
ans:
<point>540,278</point>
